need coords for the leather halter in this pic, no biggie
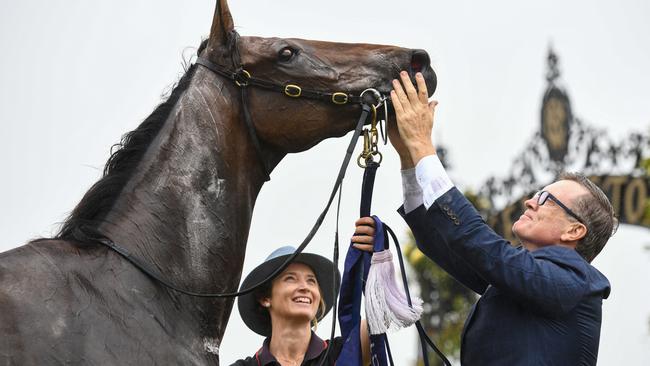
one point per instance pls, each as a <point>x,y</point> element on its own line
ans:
<point>243,80</point>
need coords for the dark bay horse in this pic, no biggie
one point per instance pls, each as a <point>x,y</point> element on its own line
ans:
<point>179,195</point>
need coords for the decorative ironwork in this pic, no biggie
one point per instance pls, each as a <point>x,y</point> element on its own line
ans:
<point>553,73</point>
<point>568,144</point>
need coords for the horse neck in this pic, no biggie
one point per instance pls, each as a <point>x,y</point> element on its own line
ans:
<point>188,207</point>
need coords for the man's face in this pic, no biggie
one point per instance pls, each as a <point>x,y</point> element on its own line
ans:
<point>541,226</point>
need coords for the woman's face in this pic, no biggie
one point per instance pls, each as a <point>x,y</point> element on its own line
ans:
<point>295,294</point>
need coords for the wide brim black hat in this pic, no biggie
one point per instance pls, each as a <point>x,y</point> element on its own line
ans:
<point>258,318</point>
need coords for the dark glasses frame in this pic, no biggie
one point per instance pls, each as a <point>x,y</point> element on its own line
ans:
<point>543,196</point>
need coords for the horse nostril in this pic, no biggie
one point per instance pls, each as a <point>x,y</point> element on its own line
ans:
<point>419,61</point>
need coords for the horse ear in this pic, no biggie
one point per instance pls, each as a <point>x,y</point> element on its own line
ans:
<point>222,25</point>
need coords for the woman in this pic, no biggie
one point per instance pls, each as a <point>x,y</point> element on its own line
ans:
<point>285,311</point>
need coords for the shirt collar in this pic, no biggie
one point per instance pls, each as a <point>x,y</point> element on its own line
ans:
<point>314,349</point>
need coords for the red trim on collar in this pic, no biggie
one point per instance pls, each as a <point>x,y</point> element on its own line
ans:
<point>257,357</point>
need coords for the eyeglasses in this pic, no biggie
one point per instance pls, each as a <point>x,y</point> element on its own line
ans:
<point>542,196</point>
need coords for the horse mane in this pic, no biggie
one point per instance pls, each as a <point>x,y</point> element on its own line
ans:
<point>125,156</point>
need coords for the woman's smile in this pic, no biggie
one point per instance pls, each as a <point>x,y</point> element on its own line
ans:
<point>302,300</point>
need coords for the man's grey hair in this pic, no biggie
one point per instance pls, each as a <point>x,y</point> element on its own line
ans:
<point>597,212</point>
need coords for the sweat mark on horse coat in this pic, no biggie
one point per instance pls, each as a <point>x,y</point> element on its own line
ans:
<point>58,326</point>
<point>211,345</point>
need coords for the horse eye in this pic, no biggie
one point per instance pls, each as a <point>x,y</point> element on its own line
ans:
<point>286,54</point>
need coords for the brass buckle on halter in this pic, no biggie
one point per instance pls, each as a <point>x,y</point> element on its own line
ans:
<point>241,78</point>
<point>294,91</point>
<point>339,98</point>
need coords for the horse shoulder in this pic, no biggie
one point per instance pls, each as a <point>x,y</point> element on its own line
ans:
<point>41,296</point>
<point>57,295</point>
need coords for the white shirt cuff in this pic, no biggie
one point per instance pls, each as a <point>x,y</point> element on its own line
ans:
<point>411,189</point>
<point>432,179</point>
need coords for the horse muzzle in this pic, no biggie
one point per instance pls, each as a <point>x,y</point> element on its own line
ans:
<point>420,62</point>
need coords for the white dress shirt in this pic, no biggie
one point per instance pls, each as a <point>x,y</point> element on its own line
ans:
<point>425,183</point>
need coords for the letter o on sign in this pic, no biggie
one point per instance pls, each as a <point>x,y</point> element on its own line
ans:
<point>636,194</point>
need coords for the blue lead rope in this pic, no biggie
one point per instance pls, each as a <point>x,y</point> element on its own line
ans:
<point>355,273</point>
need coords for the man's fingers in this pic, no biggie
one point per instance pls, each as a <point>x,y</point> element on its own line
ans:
<point>432,106</point>
<point>401,96</point>
<point>397,105</point>
<point>408,86</point>
<point>423,93</point>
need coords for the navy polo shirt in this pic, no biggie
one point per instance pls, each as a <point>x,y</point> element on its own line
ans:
<point>315,353</point>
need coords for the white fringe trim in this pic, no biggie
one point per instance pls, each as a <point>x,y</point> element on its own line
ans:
<point>387,308</point>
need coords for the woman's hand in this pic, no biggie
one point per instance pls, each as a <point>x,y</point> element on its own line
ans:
<point>364,234</point>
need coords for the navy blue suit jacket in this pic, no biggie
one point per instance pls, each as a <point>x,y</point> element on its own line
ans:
<point>536,308</point>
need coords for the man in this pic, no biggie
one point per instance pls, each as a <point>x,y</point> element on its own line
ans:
<point>540,304</point>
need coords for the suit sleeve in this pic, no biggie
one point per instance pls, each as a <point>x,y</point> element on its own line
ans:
<point>553,279</point>
<point>434,246</point>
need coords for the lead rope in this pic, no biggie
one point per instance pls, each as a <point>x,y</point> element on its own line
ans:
<point>335,279</point>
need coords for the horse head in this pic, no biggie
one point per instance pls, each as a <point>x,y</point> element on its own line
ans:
<point>293,124</point>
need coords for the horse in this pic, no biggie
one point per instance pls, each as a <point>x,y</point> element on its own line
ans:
<point>179,194</point>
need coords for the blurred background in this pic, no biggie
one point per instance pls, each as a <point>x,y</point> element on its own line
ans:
<point>76,75</point>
